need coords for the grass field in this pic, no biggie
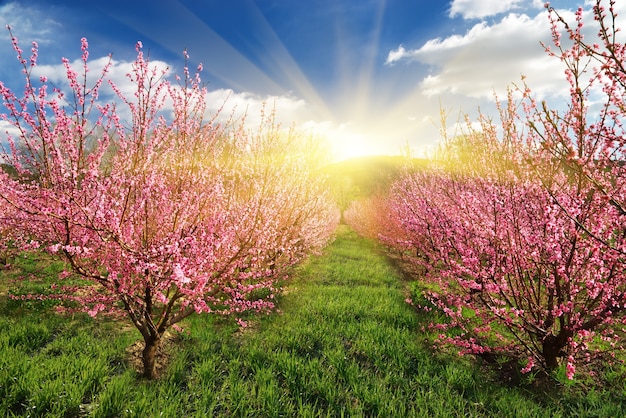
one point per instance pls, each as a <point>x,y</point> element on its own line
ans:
<point>344,343</point>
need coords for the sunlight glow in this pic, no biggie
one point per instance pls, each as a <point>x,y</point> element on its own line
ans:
<point>348,145</point>
<point>360,118</point>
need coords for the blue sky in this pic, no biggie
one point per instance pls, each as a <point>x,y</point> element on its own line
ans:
<point>369,75</point>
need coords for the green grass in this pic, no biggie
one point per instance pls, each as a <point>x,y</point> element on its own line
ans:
<point>344,343</point>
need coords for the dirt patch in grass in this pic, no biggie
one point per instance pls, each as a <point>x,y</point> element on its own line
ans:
<point>163,355</point>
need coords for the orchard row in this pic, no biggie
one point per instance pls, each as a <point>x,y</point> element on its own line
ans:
<point>518,230</point>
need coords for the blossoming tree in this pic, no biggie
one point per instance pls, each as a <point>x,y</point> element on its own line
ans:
<point>164,213</point>
<point>587,138</point>
<point>524,248</point>
<point>512,273</point>
<point>520,231</point>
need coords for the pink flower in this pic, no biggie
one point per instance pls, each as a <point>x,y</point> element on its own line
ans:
<point>99,307</point>
<point>570,368</point>
<point>529,365</point>
<point>64,274</point>
<point>179,275</point>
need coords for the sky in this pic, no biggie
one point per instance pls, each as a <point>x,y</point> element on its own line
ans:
<point>368,76</point>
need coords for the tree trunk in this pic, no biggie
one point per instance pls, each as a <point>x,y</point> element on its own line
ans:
<point>553,349</point>
<point>149,356</point>
<point>551,352</point>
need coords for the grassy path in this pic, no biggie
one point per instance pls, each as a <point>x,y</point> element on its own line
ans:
<point>344,344</point>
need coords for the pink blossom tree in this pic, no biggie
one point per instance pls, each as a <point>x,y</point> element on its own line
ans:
<point>164,214</point>
<point>365,216</point>
<point>588,137</point>
<point>11,239</point>
<point>509,270</point>
<point>526,256</point>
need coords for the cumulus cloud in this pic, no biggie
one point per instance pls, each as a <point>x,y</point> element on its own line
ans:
<point>465,69</point>
<point>7,130</point>
<point>224,104</point>
<point>398,55</point>
<point>289,110</point>
<point>487,58</point>
<point>57,73</point>
<point>478,9</point>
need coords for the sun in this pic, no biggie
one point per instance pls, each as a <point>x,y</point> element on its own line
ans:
<point>348,144</point>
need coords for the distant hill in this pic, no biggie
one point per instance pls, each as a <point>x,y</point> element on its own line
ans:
<point>360,177</point>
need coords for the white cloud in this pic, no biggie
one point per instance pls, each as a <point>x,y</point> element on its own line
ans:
<point>28,23</point>
<point>461,72</point>
<point>488,57</point>
<point>288,110</point>
<point>466,69</point>
<point>397,55</point>
<point>57,73</point>
<point>226,104</point>
<point>478,9</point>
<point>7,129</point>
<point>117,71</point>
